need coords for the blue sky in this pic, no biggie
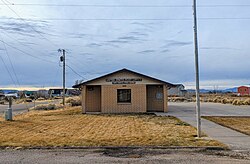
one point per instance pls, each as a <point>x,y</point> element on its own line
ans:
<point>161,48</point>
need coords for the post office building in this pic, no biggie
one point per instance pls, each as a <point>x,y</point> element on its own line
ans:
<point>124,91</point>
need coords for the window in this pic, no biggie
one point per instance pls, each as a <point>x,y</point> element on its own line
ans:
<point>124,95</point>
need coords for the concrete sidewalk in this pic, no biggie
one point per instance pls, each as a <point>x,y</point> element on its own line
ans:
<point>235,140</point>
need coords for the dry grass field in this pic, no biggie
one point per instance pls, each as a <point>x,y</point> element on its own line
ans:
<point>241,124</point>
<point>71,128</point>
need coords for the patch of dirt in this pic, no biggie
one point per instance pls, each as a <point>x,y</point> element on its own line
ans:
<point>132,152</point>
<point>142,152</point>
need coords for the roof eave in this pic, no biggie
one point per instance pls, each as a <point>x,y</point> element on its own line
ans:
<point>86,82</point>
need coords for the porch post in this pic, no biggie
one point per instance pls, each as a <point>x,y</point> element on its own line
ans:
<point>84,99</point>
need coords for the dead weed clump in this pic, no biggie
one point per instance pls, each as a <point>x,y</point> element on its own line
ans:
<point>227,101</point>
<point>74,101</point>
<point>47,107</point>
<point>238,102</point>
<point>217,99</point>
<point>247,101</point>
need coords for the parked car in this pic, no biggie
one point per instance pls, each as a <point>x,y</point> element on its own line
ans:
<point>2,96</point>
<point>12,94</point>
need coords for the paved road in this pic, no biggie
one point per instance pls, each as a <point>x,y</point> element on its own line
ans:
<point>209,109</point>
<point>89,156</point>
<point>235,140</point>
<point>19,108</point>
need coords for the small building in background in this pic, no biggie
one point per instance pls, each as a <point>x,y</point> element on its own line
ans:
<point>58,92</point>
<point>244,90</point>
<point>177,90</point>
<point>11,93</point>
<point>30,94</point>
<point>43,93</point>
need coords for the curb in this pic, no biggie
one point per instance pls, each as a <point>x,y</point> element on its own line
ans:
<point>112,147</point>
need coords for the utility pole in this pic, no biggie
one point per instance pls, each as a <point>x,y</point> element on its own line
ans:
<point>63,59</point>
<point>198,110</point>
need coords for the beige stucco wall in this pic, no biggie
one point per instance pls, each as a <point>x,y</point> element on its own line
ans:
<point>109,99</point>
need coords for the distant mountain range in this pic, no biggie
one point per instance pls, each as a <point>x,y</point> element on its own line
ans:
<point>232,90</point>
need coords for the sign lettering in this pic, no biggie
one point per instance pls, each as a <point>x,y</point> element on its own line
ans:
<point>124,80</point>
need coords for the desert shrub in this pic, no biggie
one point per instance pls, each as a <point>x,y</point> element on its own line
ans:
<point>230,101</point>
<point>217,99</point>
<point>205,100</point>
<point>238,102</point>
<point>224,101</point>
<point>210,100</point>
<point>193,99</point>
<point>73,101</point>
<point>241,102</point>
<point>235,102</point>
<point>247,102</point>
<point>177,99</point>
<point>57,97</point>
<point>19,101</point>
<point>46,107</point>
<point>40,99</point>
<point>181,99</point>
<point>28,100</point>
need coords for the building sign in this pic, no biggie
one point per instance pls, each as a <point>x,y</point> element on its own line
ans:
<point>124,80</point>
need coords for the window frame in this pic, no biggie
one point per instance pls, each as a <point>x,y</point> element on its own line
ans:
<point>118,96</point>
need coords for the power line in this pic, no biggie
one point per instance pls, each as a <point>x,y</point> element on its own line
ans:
<point>57,72</point>
<point>14,39</point>
<point>11,63</point>
<point>136,19</point>
<point>88,5</point>
<point>125,6</point>
<point>26,52</point>
<point>8,70</point>
<point>27,23</point>
<point>75,71</point>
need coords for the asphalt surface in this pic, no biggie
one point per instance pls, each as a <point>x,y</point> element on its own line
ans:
<point>110,156</point>
<point>235,140</point>
<point>209,109</point>
<point>23,107</point>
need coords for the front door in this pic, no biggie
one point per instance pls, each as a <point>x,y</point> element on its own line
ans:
<point>155,98</point>
<point>93,99</point>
